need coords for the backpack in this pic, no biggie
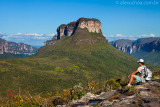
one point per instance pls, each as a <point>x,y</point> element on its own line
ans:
<point>148,74</point>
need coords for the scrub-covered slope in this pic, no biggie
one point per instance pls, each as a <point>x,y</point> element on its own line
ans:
<point>82,56</point>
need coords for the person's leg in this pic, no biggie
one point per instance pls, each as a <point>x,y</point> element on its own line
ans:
<point>131,79</point>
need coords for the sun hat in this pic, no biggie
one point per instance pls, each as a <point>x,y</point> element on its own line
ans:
<point>141,60</point>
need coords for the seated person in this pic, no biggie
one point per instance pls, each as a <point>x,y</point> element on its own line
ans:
<point>141,70</point>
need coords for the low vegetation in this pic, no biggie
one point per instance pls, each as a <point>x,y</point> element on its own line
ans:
<point>60,97</point>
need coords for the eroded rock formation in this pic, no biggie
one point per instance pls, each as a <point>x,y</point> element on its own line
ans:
<point>142,44</point>
<point>92,25</point>
<point>16,48</point>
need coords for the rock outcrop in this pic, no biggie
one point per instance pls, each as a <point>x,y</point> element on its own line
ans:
<point>143,44</point>
<point>50,42</point>
<point>92,25</point>
<point>146,95</point>
<point>16,48</point>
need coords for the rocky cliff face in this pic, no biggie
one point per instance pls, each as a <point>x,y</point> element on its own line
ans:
<point>152,46</point>
<point>16,48</point>
<point>50,42</point>
<point>124,45</point>
<point>143,44</point>
<point>92,25</point>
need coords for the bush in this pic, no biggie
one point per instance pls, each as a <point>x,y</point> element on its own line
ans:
<point>58,69</point>
<point>67,95</point>
<point>73,68</point>
<point>77,91</point>
<point>112,84</point>
<point>93,86</point>
<point>156,74</point>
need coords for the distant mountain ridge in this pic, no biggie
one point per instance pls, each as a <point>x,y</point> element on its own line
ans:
<point>16,48</point>
<point>132,46</point>
<point>146,48</point>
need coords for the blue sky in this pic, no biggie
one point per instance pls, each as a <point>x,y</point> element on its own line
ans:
<point>35,21</point>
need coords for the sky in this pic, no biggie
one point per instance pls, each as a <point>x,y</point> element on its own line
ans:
<point>35,21</point>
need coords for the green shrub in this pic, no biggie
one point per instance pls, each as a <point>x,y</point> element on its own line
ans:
<point>93,87</point>
<point>112,84</point>
<point>77,91</point>
<point>73,68</point>
<point>156,74</point>
<point>57,69</point>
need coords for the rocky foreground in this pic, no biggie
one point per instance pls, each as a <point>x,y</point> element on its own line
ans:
<point>146,95</point>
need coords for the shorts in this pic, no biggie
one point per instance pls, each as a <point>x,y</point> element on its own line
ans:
<point>138,79</point>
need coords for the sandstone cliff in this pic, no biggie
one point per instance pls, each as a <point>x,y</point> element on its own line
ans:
<point>142,44</point>
<point>123,44</point>
<point>92,25</point>
<point>16,48</point>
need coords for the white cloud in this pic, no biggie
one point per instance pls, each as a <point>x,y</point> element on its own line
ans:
<point>30,38</point>
<point>19,33</point>
<point>131,37</point>
<point>110,36</point>
<point>119,35</point>
<point>5,37</point>
<point>150,35</point>
<point>2,35</point>
<point>33,34</point>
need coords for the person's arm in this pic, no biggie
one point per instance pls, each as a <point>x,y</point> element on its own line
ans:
<point>133,73</point>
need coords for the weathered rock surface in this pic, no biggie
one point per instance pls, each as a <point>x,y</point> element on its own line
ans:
<point>16,48</point>
<point>92,25</point>
<point>146,95</point>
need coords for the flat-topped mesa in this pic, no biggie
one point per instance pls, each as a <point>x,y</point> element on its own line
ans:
<point>93,25</point>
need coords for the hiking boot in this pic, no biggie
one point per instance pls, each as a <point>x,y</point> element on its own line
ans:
<point>129,85</point>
